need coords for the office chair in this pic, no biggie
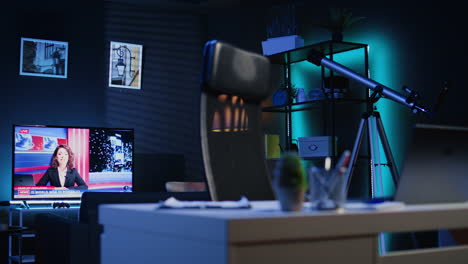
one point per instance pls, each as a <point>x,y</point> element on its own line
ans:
<point>234,82</point>
<point>77,241</point>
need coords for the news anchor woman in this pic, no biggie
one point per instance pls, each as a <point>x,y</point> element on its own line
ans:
<point>61,172</point>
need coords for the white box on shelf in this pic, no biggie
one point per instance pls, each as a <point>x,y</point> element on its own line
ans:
<point>280,44</point>
<point>315,147</point>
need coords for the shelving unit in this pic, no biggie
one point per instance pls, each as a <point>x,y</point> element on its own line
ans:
<point>329,49</point>
<point>22,217</point>
<point>20,258</point>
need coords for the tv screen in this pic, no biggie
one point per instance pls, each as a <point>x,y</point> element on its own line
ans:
<point>52,162</point>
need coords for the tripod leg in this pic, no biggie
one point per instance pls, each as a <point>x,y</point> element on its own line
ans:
<point>357,146</point>
<point>373,156</point>
<point>376,170</point>
<point>388,152</point>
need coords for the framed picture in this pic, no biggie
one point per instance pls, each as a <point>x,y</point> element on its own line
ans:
<point>125,65</point>
<point>45,58</point>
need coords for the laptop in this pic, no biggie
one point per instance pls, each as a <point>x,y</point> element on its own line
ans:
<point>436,167</point>
<point>23,180</point>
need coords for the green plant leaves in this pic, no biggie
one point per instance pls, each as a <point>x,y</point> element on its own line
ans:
<point>340,20</point>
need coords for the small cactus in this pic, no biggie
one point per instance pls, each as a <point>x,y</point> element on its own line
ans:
<point>290,172</point>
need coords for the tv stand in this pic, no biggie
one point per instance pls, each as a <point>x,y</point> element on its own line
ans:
<point>24,205</point>
<point>22,217</point>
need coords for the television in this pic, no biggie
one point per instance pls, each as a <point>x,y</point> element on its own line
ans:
<point>102,159</point>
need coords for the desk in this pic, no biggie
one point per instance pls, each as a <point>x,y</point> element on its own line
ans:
<point>137,233</point>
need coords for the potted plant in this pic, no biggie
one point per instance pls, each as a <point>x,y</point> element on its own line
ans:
<point>290,182</point>
<point>340,20</point>
<point>282,30</point>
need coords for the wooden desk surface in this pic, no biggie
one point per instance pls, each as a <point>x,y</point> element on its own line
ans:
<point>259,222</point>
<point>264,234</point>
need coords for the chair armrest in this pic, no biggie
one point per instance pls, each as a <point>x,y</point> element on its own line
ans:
<point>185,186</point>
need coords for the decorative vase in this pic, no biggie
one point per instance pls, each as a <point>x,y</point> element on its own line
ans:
<point>300,97</point>
<point>280,97</point>
<point>316,94</point>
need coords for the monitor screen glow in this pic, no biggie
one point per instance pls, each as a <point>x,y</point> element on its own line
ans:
<point>102,158</point>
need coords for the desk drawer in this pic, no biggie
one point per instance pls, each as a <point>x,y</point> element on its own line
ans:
<point>360,250</point>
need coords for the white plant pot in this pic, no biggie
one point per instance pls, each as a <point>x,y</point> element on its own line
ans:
<point>281,44</point>
<point>290,199</point>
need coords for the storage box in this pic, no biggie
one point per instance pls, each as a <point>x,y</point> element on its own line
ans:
<point>315,147</point>
<point>281,44</point>
<point>272,146</point>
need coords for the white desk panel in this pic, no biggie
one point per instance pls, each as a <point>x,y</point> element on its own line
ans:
<point>139,232</point>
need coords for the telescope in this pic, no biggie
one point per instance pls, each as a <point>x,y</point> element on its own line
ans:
<point>380,90</point>
<point>371,118</point>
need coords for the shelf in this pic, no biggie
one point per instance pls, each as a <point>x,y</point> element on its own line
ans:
<point>25,258</point>
<point>309,105</point>
<point>302,158</point>
<point>326,47</point>
<point>328,108</point>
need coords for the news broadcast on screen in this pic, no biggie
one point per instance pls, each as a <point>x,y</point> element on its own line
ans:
<point>51,162</point>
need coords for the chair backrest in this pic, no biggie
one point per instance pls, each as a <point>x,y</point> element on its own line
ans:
<point>90,201</point>
<point>234,83</point>
<point>89,212</point>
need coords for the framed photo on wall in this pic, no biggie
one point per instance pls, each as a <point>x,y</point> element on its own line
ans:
<point>44,58</point>
<point>125,65</point>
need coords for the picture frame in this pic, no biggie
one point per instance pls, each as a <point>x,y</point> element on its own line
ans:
<point>43,58</point>
<point>125,63</point>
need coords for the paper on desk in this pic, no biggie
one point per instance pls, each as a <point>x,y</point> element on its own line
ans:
<point>174,203</point>
<point>388,205</point>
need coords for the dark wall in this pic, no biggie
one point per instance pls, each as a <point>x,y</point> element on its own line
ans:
<point>429,50</point>
<point>77,100</point>
<point>165,112</point>
<point>418,47</point>
<point>425,43</point>
<point>240,26</point>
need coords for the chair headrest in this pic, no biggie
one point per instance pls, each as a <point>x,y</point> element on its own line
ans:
<point>231,70</point>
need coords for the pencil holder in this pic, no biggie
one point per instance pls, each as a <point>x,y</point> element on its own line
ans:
<point>327,189</point>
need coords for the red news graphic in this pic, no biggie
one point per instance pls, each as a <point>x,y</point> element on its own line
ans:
<point>44,191</point>
<point>26,190</point>
<point>26,141</point>
<point>38,142</point>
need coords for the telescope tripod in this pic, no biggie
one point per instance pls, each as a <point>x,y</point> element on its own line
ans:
<point>371,119</point>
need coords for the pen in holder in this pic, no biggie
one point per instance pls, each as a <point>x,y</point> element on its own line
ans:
<point>328,186</point>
